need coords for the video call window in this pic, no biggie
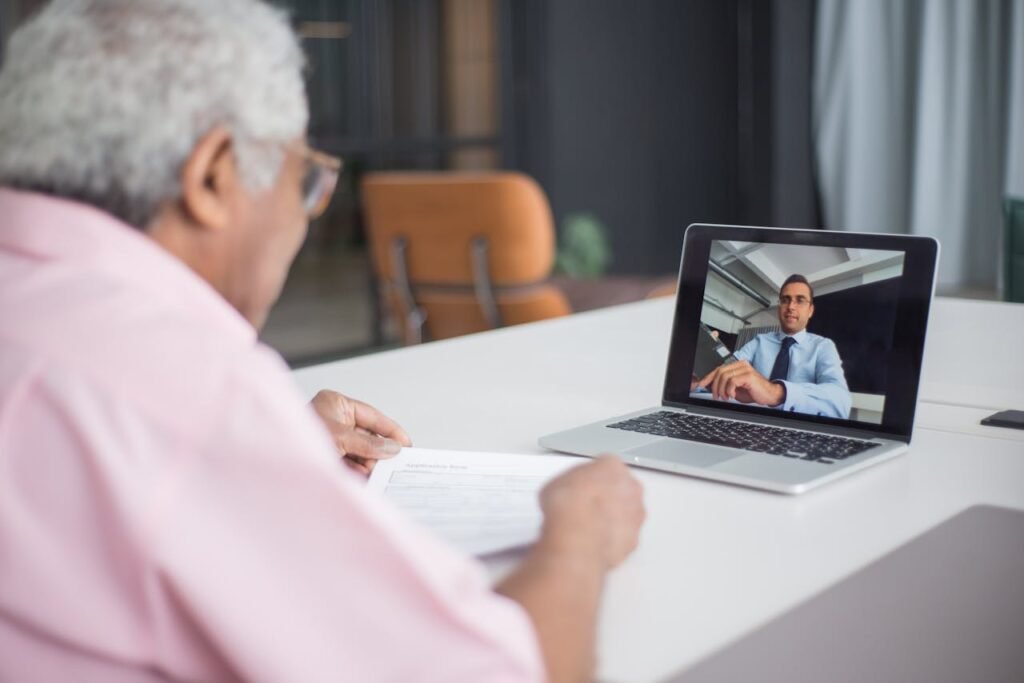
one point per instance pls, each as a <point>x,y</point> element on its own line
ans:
<point>817,322</point>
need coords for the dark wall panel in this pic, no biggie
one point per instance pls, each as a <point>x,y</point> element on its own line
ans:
<point>655,114</point>
<point>641,117</point>
<point>791,180</point>
<point>860,321</point>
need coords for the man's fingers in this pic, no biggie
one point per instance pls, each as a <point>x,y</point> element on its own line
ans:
<point>363,467</point>
<point>718,385</point>
<point>727,380</point>
<point>360,443</point>
<point>731,385</point>
<point>610,462</point>
<point>708,378</point>
<point>373,420</point>
<point>719,376</point>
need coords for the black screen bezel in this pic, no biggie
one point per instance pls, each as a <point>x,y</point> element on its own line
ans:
<point>905,358</point>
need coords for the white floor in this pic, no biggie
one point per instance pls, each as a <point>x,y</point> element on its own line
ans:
<point>325,308</point>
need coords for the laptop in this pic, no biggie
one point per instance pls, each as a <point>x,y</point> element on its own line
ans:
<point>795,359</point>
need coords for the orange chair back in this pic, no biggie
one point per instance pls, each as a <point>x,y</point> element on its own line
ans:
<point>457,253</point>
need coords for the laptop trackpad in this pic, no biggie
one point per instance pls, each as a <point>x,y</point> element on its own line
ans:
<point>684,453</point>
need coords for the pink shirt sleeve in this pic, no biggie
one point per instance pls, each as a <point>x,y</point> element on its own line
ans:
<point>273,558</point>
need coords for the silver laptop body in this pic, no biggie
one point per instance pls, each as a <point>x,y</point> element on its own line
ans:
<point>750,256</point>
<point>721,463</point>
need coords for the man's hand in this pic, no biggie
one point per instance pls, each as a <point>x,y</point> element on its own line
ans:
<point>592,518</point>
<point>593,512</point>
<point>742,382</point>
<point>361,433</point>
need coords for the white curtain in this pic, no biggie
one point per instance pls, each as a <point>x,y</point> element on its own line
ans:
<point>919,123</point>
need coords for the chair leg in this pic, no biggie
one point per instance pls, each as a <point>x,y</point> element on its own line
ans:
<point>482,282</point>
<point>414,315</point>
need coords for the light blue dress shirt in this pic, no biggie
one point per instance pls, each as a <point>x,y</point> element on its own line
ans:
<point>816,384</point>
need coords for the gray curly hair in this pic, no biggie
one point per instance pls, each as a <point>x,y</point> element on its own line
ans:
<point>102,101</point>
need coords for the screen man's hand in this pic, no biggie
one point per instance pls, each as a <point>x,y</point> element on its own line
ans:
<point>740,381</point>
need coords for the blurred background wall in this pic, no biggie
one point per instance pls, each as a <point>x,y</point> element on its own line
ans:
<point>650,115</point>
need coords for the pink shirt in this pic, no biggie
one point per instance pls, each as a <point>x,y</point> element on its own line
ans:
<point>171,509</point>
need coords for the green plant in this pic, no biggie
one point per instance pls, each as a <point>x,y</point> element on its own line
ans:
<point>584,251</point>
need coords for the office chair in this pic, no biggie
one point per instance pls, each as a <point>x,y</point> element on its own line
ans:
<point>456,253</point>
<point>668,288</point>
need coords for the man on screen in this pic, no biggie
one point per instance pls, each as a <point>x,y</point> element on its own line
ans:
<point>793,369</point>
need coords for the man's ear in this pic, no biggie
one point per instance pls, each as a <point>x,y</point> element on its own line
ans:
<point>209,179</point>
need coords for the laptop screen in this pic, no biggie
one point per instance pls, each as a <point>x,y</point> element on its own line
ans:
<point>802,325</point>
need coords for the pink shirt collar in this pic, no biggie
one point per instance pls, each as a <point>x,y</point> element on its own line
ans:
<point>54,229</point>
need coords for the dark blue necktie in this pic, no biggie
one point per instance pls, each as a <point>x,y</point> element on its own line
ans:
<point>781,368</point>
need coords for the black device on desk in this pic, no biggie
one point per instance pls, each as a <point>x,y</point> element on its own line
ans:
<point>1014,419</point>
<point>711,352</point>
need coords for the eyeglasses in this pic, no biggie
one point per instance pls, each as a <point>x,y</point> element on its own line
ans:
<point>799,300</point>
<point>319,180</point>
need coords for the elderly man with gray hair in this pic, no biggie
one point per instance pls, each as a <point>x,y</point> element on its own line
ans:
<point>170,508</point>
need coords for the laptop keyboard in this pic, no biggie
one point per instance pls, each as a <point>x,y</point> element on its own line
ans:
<point>789,443</point>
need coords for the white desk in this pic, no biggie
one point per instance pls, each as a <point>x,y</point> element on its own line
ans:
<point>974,354</point>
<point>715,561</point>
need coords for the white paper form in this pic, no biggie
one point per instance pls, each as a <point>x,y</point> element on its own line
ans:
<point>482,503</point>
